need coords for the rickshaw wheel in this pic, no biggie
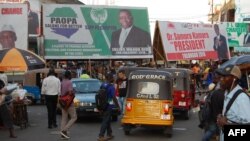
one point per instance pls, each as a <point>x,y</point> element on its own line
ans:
<point>168,131</point>
<point>126,129</point>
<point>126,132</point>
<point>186,115</point>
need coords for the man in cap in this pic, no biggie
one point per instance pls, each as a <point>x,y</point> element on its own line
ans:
<point>238,112</point>
<point>7,37</point>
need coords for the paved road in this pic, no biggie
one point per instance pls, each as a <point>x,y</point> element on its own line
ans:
<point>87,130</point>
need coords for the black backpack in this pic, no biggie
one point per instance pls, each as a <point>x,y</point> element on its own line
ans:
<point>101,98</point>
<point>207,111</point>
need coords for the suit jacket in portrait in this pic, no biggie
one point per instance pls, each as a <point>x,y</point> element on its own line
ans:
<point>136,38</point>
<point>222,50</point>
<point>33,23</point>
<point>246,42</point>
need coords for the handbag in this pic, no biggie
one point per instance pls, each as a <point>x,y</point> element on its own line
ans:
<point>66,100</point>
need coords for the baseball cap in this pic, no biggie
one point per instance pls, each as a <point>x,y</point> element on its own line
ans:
<point>230,70</point>
<point>7,28</point>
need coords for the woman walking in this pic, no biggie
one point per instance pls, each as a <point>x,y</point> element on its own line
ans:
<point>67,88</point>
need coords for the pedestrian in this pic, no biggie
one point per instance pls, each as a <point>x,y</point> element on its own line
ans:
<point>238,112</point>
<point>51,88</point>
<point>66,88</point>
<point>106,121</point>
<point>215,101</point>
<point>5,113</point>
<point>122,85</point>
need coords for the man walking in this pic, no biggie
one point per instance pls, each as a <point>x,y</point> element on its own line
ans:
<point>51,88</point>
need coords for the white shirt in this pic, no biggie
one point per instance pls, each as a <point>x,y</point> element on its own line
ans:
<point>239,111</point>
<point>51,86</point>
<point>4,78</point>
<point>123,36</point>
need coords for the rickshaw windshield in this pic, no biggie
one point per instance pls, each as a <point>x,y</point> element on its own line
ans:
<point>150,89</point>
<point>180,83</point>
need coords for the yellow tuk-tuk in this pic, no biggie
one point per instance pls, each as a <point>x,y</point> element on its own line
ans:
<point>33,81</point>
<point>149,101</point>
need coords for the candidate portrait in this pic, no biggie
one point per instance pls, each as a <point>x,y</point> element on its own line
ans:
<point>129,35</point>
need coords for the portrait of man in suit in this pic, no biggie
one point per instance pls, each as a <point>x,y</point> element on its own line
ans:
<point>220,44</point>
<point>246,41</point>
<point>129,35</point>
<point>33,24</point>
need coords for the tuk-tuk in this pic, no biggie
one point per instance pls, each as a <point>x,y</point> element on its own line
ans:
<point>33,81</point>
<point>149,101</point>
<point>184,92</point>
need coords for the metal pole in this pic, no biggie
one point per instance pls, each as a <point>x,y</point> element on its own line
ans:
<point>212,12</point>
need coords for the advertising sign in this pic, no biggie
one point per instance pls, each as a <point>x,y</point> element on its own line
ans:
<point>193,41</point>
<point>13,26</point>
<point>34,14</point>
<point>238,34</point>
<point>95,32</point>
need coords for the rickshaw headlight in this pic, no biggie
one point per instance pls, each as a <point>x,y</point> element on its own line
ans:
<point>76,102</point>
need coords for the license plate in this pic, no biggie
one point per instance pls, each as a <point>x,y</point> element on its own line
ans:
<point>182,103</point>
<point>89,110</point>
<point>165,117</point>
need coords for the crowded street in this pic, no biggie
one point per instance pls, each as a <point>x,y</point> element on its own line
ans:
<point>86,129</point>
<point>124,70</point>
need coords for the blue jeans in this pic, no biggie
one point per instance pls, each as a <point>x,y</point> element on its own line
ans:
<point>121,104</point>
<point>106,123</point>
<point>210,132</point>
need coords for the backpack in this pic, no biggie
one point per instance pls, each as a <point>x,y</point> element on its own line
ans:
<point>101,98</point>
<point>206,112</point>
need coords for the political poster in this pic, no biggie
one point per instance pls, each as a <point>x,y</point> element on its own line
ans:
<point>13,26</point>
<point>96,32</point>
<point>34,15</point>
<point>194,41</point>
<point>238,34</point>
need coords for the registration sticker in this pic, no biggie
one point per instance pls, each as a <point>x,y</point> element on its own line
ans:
<point>165,117</point>
<point>182,103</point>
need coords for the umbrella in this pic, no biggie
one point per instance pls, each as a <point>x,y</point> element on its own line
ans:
<point>242,61</point>
<point>15,59</point>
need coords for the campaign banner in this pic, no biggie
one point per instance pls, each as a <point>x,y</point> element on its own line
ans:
<point>34,15</point>
<point>95,32</point>
<point>238,34</point>
<point>13,26</point>
<point>193,41</point>
<point>11,1</point>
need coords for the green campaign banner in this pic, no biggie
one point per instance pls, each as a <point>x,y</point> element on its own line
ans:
<point>238,34</point>
<point>96,32</point>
